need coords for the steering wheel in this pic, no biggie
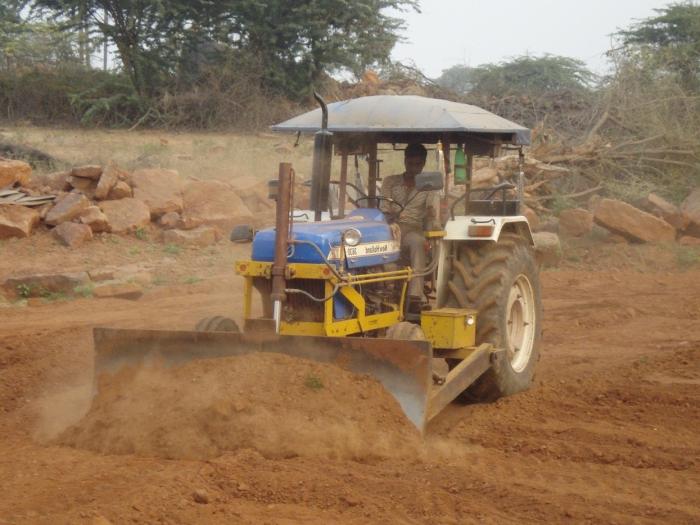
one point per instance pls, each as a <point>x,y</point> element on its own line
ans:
<point>380,198</point>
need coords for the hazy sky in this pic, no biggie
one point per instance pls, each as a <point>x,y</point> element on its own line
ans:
<point>474,32</point>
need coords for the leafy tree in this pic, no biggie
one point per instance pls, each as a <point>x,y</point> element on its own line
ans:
<point>301,41</point>
<point>296,42</point>
<point>521,75</point>
<point>668,43</point>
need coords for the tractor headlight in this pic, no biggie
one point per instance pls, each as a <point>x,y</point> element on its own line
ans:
<point>352,237</point>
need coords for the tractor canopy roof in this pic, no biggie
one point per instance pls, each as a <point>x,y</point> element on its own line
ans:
<point>408,118</point>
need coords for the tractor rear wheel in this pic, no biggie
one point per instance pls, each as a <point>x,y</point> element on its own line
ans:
<point>217,323</point>
<point>501,281</point>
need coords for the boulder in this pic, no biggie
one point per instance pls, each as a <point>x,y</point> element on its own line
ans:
<point>213,203</point>
<point>39,285</point>
<point>67,208</point>
<point>91,171</point>
<point>551,225</point>
<point>93,217</point>
<point>121,190</point>
<point>575,222</point>
<point>56,181</point>
<point>532,218</point>
<point>108,179</point>
<point>117,290</point>
<point>632,223</point>
<point>170,220</point>
<point>160,190</point>
<point>72,234</point>
<point>662,208</point>
<point>17,221</point>
<point>547,248</point>
<point>12,171</point>
<point>690,210</point>
<point>101,274</point>
<point>82,184</point>
<point>201,236</point>
<point>125,215</point>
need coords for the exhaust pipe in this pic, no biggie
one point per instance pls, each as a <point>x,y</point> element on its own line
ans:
<point>321,170</point>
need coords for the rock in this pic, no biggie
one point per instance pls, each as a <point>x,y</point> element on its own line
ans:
<point>614,238</point>
<point>17,221</point>
<point>637,225</point>
<point>547,248</point>
<point>170,220</point>
<point>125,215</point>
<point>201,236</point>
<point>95,219</point>
<point>200,496</point>
<point>101,274</point>
<point>160,190</point>
<point>67,207</point>
<point>213,203</point>
<point>532,218</point>
<point>40,285</point>
<point>108,179</point>
<point>91,171</point>
<point>12,171</point>
<point>73,234</point>
<point>575,222</point>
<point>662,208</point>
<point>551,225</point>
<point>79,183</point>
<point>121,190</point>
<point>117,290</point>
<point>55,181</point>
<point>687,240</point>
<point>690,210</point>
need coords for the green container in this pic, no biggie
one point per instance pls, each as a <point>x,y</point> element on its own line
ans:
<point>460,164</point>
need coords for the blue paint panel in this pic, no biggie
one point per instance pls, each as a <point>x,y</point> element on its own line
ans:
<point>327,234</point>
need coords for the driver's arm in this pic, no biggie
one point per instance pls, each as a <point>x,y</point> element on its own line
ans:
<point>387,184</point>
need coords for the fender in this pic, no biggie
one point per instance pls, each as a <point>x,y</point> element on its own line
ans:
<point>457,229</point>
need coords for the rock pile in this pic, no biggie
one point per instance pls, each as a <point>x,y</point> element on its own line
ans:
<point>94,199</point>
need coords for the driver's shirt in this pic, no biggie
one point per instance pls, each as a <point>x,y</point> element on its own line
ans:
<point>420,207</point>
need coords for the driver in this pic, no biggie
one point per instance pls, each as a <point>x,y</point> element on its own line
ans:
<point>420,213</point>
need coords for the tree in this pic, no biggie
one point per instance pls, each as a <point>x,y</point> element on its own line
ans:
<point>668,43</point>
<point>296,42</point>
<point>529,75</point>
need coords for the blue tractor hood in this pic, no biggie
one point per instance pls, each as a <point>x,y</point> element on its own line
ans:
<point>380,243</point>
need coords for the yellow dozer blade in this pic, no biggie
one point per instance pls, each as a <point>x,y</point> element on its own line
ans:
<point>404,368</point>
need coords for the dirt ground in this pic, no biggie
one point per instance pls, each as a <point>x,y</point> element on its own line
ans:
<point>608,434</point>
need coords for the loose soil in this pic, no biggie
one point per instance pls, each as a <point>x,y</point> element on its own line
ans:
<point>280,406</point>
<point>608,433</point>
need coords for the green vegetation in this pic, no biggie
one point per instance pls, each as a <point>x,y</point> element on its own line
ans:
<point>172,249</point>
<point>313,382</point>
<point>192,279</point>
<point>141,234</point>
<point>84,290</point>
<point>687,256</point>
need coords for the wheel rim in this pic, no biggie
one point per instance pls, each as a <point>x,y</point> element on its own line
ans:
<point>521,323</point>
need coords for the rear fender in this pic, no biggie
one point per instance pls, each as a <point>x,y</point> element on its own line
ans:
<point>457,229</point>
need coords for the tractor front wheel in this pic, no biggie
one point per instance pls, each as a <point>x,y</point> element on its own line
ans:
<point>217,323</point>
<point>500,280</point>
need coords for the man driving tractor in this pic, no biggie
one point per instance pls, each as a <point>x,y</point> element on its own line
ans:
<point>420,213</point>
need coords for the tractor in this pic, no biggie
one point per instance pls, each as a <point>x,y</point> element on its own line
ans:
<point>333,287</point>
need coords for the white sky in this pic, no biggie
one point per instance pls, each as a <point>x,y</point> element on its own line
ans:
<point>474,32</point>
